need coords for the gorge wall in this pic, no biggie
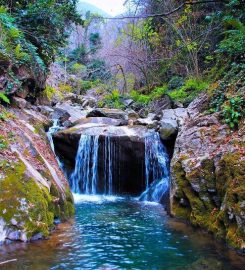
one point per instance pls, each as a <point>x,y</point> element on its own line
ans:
<point>207,170</point>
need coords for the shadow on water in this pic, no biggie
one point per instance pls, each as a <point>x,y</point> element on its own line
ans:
<point>110,233</point>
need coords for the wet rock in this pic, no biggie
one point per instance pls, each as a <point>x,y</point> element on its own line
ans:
<point>128,148</point>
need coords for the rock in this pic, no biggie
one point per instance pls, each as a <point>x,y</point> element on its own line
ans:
<point>143,112</point>
<point>23,92</point>
<point>60,114</point>
<point>36,237</point>
<point>36,179</point>
<point>127,144</point>
<point>132,114</point>
<point>74,111</point>
<point>46,110</point>
<point>127,102</point>
<point>111,113</point>
<point>179,115</point>
<point>207,170</point>
<point>168,129</point>
<point>19,102</point>
<point>158,105</point>
<point>99,120</point>
<point>14,235</point>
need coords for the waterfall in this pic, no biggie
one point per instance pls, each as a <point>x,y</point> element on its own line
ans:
<point>98,165</point>
<point>85,176</point>
<point>156,169</point>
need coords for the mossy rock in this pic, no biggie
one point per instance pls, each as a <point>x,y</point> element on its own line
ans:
<point>31,206</point>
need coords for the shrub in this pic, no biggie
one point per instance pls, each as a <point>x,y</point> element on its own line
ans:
<point>191,88</point>
<point>49,91</point>
<point>112,100</point>
<point>233,111</point>
<point>140,98</point>
<point>65,88</point>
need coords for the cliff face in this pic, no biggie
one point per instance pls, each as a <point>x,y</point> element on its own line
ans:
<point>33,190</point>
<point>208,169</point>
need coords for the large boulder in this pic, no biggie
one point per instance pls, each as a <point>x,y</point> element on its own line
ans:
<point>126,143</point>
<point>207,171</point>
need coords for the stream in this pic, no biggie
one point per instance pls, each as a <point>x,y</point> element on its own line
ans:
<point>113,233</point>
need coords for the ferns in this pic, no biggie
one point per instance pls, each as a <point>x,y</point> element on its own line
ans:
<point>4,98</point>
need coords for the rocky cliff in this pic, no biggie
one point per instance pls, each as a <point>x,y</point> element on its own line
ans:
<point>33,191</point>
<point>208,175</point>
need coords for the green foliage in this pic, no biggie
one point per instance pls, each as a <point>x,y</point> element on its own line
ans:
<point>140,98</point>
<point>227,96</point>
<point>233,111</point>
<point>234,42</point>
<point>78,68</point>
<point>50,92</point>
<point>4,98</point>
<point>175,82</point>
<point>112,100</point>
<point>191,88</point>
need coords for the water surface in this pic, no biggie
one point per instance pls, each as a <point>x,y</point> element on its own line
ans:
<point>119,233</point>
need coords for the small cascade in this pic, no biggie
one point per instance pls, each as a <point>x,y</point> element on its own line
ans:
<point>85,176</point>
<point>53,129</point>
<point>56,127</point>
<point>156,169</point>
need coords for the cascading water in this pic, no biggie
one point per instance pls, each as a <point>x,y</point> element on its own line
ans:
<point>53,129</point>
<point>85,176</point>
<point>156,169</point>
<point>88,179</point>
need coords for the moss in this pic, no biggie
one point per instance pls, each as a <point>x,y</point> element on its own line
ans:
<point>227,181</point>
<point>32,206</point>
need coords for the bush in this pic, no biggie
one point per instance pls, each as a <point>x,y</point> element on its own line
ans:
<point>112,100</point>
<point>191,88</point>
<point>233,111</point>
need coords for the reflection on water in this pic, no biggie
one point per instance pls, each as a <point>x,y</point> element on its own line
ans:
<point>121,234</point>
